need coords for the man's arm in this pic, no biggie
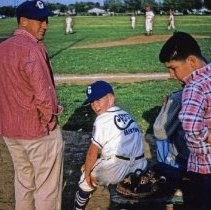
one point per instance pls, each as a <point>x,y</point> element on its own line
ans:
<point>192,114</point>
<point>39,76</point>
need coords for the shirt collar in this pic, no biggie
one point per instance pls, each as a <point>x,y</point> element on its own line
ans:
<point>113,109</point>
<point>25,33</point>
<point>191,76</point>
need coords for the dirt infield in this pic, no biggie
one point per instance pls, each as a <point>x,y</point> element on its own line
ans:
<point>133,41</point>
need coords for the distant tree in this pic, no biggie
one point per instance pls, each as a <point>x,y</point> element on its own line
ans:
<point>53,7</point>
<point>114,5</point>
<point>8,11</point>
<point>198,4</point>
<point>182,5</point>
<point>80,7</point>
<point>63,8</point>
<point>207,4</point>
<point>134,5</point>
<point>97,4</point>
<point>85,6</point>
<point>190,4</point>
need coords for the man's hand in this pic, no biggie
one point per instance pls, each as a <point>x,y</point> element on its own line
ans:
<point>53,123</point>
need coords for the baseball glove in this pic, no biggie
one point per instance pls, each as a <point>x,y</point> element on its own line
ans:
<point>139,184</point>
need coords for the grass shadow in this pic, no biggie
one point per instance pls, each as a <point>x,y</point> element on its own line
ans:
<point>65,48</point>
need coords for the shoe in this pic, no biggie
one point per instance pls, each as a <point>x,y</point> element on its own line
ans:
<point>177,198</point>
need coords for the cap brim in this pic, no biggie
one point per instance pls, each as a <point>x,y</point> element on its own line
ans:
<point>50,13</point>
<point>86,102</point>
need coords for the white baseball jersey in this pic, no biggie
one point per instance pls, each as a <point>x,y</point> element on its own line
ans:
<point>68,20</point>
<point>116,133</point>
<point>171,17</point>
<point>149,15</point>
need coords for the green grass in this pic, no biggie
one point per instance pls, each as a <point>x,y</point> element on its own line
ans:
<point>92,29</point>
<point>130,59</point>
<point>142,100</point>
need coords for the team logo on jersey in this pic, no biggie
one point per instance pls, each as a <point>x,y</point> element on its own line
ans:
<point>123,121</point>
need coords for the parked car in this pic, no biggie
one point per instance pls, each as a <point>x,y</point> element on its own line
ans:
<point>177,13</point>
<point>198,11</point>
<point>2,16</point>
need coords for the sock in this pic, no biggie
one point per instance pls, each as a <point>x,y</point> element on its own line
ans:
<point>81,199</point>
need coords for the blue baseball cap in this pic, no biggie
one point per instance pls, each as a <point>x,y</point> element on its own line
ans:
<point>33,9</point>
<point>97,90</point>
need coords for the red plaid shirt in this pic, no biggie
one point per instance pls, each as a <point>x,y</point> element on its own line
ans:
<point>195,116</point>
<point>28,97</point>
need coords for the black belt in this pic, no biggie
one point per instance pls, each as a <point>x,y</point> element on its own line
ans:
<point>127,158</point>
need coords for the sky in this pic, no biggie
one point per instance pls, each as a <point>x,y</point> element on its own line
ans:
<point>17,2</point>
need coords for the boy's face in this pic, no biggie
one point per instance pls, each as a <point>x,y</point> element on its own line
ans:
<point>179,69</point>
<point>103,104</point>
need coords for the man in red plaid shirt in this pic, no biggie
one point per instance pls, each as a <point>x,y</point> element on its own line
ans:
<point>182,56</point>
<point>29,111</point>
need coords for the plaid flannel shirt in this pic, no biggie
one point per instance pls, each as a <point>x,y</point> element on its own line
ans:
<point>195,116</point>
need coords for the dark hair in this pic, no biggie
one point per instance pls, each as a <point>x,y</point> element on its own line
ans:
<point>179,47</point>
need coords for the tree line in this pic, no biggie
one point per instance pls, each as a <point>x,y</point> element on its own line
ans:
<point>121,6</point>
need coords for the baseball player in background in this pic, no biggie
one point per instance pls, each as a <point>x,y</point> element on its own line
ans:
<point>116,138</point>
<point>69,23</point>
<point>171,20</point>
<point>149,16</point>
<point>133,21</point>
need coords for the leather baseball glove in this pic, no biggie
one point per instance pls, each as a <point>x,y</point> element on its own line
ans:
<point>139,184</point>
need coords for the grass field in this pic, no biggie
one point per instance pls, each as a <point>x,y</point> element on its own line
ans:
<point>140,99</point>
<point>133,59</point>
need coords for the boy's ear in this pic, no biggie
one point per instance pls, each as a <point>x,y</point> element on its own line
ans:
<point>193,61</point>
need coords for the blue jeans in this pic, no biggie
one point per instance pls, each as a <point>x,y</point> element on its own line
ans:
<point>201,191</point>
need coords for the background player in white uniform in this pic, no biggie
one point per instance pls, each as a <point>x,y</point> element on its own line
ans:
<point>69,23</point>
<point>116,137</point>
<point>171,20</point>
<point>149,16</point>
<point>133,21</point>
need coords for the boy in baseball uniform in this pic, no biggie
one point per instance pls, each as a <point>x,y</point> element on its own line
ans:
<point>116,138</point>
<point>149,16</point>
<point>69,24</point>
<point>133,21</point>
<point>171,20</point>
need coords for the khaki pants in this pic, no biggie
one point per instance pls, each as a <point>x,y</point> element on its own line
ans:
<point>38,168</point>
